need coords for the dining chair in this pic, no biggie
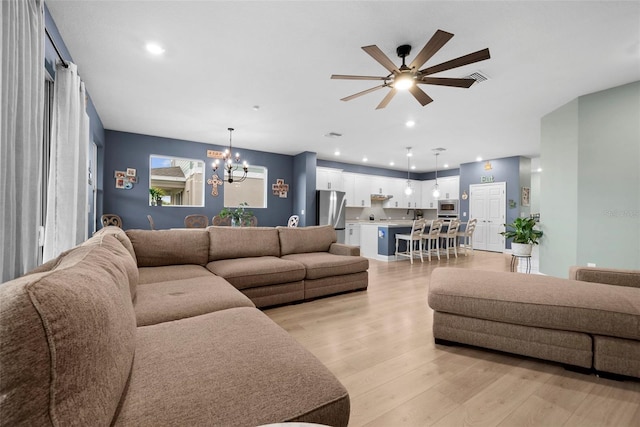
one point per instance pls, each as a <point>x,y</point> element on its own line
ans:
<point>294,220</point>
<point>111,219</point>
<point>466,236</point>
<point>196,221</point>
<point>415,237</point>
<point>450,237</point>
<point>253,222</point>
<point>151,224</point>
<point>218,221</point>
<point>432,238</point>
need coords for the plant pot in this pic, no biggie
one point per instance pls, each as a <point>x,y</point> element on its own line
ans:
<point>521,249</point>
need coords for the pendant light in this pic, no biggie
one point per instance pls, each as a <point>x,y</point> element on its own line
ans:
<point>408,190</point>
<point>436,189</point>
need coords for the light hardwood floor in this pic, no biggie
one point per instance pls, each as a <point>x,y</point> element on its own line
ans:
<point>380,345</point>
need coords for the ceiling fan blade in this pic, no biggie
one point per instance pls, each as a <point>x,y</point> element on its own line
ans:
<point>347,77</point>
<point>443,81</point>
<point>419,94</point>
<point>379,56</point>
<point>480,55</point>
<point>387,98</point>
<point>364,92</point>
<point>439,39</point>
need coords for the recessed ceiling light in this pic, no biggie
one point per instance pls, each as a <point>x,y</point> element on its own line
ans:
<point>410,123</point>
<point>446,165</point>
<point>391,163</point>
<point>364,159</point>
<point>336,153</point>
<point>478,159</point>
<point>539,170</point>
<point>155,49</point>
<point>413,167</point>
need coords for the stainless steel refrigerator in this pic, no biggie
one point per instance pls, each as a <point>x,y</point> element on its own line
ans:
<point>331,210</point>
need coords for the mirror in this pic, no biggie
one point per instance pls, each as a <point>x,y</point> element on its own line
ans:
<point>175,181</point>
<point>252,190</point>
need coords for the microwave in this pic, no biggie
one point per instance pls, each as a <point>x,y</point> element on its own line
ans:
<point>448,208</point>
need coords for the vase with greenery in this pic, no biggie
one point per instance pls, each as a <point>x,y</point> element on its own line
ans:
<point>524,235</point>
<point>240,216</point>
<point>156,196</point>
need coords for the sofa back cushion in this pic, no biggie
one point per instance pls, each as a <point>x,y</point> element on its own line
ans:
<point>242,242</point>
<point>121,235</point>
<point>155,248</point>
<point>298,240</point>
<point>68,339</point>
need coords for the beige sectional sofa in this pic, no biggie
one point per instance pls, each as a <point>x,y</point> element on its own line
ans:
<point>136,329</point>
<point>591,320</point>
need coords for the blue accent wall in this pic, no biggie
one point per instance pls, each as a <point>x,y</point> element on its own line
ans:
<point>304,173</point>
<point>128,150</point>
<point>371,170</point>
<point>503,170</point>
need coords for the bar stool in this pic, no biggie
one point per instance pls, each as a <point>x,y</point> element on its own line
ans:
<point>433,238</point>
<point>466,236</point>
<point>450,237</point>
<point>417,229</point>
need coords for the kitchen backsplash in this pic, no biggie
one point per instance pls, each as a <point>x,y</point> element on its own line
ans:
<point>379,212</point>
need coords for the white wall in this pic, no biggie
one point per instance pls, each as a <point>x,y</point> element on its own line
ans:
<point>589,185</point>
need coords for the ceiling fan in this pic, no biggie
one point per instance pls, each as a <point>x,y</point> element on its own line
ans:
<point>408,77</point>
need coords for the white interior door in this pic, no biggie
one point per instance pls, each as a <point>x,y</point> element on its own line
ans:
<point>487,203</point>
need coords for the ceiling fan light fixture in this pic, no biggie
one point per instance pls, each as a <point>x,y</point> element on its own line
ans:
<point>403,81</point>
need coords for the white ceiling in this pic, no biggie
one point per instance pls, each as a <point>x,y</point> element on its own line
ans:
<point>224,57</point>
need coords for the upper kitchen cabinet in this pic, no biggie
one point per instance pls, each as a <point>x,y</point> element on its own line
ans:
<point>362,191</point>
<point>449,187</point>
<point>395,191</point>
<point>329,179</point>
<point>427,200</point>
<point>413,200</point>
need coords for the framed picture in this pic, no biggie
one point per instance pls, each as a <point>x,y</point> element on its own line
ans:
<point>120,183</point>
<point>120,174</point>
<point>133,179</point>
<point>131,172</point>
<point>526,196</point>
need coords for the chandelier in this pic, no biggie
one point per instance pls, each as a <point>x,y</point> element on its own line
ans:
<point>231,163</point>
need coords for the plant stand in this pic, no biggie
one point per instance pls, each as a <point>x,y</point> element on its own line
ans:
<point>518,258</point>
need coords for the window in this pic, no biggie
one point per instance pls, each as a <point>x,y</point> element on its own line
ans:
<point>175,181</point>
<point>252,190</point>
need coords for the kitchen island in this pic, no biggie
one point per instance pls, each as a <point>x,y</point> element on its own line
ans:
<point>378,238</point>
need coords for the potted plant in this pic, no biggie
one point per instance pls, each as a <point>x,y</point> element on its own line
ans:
<point>239,216</point>
<point>523,234</point>
<point>156,196</point>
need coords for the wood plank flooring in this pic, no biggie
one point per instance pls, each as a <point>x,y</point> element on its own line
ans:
<point>380,345</point>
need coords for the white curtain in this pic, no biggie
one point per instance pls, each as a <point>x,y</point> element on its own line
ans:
<point>21,127</point>
<point>67,203</point>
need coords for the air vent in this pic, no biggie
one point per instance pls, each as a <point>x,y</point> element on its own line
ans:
<point>439,149</point>
<point>477,76</point>
<point>333,135</point>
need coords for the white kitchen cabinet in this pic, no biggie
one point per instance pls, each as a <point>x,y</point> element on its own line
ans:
<point>328,179</point>
<point>449,187</point>
<point>353,234</point>
<point>427,200</point>
<point>395,188</point>
<point>362,191</point>
<point>413,200</point>
<point>349,187</point>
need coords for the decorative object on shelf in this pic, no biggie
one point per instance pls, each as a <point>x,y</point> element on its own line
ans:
<point>240,216</point>
<point>125,180</point>
<point>408,190</point>
<point>526,193</point>
<point>229,166</point>
<point>436,189</point>
<point>156,196</point>
<point>280,189</point>
<point>523,234</point>
<point>214,181</point>
<point>465,196</point>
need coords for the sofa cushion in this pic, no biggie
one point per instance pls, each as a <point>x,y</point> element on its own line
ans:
<point>68,339</point>
<point>324,264</point>
<point>176,299</point>
<point>229,368</point>
<point>166,273</point>
<point>296,240</point>
<point>122,237</point>
<point>257,271</point>
<point>535,300</point>
<point>242,242</point>
<point>607,276</point>
<point>154,248</point>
